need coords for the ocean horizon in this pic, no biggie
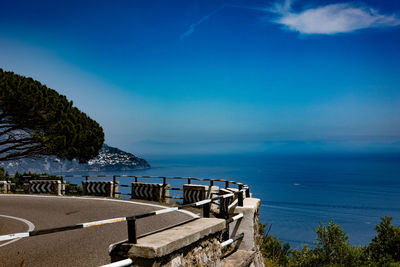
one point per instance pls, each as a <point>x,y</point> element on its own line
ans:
<point>299,191</point>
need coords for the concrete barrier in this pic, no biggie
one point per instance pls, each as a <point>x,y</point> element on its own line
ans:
<point>225,207</point>
<point>99,188</point>
<point>150,191</point>
<point>196,243</point>
<point>248,224</point>
<point>5,187</point>
<point>195,192</point>
<point>55,187</point>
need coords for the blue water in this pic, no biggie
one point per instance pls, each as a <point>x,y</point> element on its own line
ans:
<point>298,192</point>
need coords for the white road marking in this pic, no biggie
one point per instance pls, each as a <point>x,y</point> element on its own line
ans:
<point>31,227</point>
<point>103,199</point>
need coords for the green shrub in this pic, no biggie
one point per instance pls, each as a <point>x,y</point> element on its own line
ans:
<point>385,246</point>
<point>272,248</point>
<point>332,248</point>
<point>73,190</point>
<point>3,174</point>
<point>21,181</point>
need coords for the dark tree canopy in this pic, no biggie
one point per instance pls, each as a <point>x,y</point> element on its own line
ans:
<point>36,120</point>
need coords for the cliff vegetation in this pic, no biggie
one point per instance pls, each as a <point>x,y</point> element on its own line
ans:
<point>332,248</point>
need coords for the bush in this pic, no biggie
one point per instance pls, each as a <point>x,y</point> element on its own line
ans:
<point>272,248</point>
<point>332,248</point>
<point>73,190</point>
<point>21,181</point>
<point>385,246</point>
<point>3,174</point>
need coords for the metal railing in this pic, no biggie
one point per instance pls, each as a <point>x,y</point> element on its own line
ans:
<point>115,178</point>
<point>126,262</point>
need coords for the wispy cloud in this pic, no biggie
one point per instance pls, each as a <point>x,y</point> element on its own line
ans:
<point>331,19</point>
<point>193,26</point>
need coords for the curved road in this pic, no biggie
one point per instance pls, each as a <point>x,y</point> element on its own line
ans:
<point>81,247</point>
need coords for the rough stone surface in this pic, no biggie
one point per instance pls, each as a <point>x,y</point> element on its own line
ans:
<point>163,243</point>
<point>196,243</point>
<point>258,260</point>
<point>204,251</point>
<point>240,258</point>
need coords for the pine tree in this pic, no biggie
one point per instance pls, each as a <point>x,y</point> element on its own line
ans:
<point>36,120</point>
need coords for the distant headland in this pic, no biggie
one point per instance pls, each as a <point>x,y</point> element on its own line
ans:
<point>108,159</point>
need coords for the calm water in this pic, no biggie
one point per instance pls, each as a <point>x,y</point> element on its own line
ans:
<point>298,192</point>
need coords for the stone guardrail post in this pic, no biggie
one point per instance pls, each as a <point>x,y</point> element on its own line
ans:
<point>150,191</point>
<point>99,188</point>
<point>195,192</point>
<point>5,187</point>
<point>55,187</point>
<point>248,224</point>
<point>225,208</point>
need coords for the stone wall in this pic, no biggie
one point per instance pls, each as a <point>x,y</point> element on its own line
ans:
<point>198,243</point>
<point>204,252</point>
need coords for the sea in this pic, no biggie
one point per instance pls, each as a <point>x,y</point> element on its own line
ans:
<point>298,192</point>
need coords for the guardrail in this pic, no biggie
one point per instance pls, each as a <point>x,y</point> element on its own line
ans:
<point>116,181</point>
<point>231,240</point>
<point>164,182</point>
<point>241,192</point>
<point>126,262</point>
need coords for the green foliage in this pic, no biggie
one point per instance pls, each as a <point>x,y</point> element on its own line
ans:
<point>20,183</point>
<point>272,248</point>
<point>385,246</point>
<point>3,174</point>
<point>332,248</point>
<point>36,120</point>
<point>21,178</point>
<point>73,190</point>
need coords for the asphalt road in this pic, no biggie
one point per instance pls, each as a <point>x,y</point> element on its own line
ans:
<point>81,247</point>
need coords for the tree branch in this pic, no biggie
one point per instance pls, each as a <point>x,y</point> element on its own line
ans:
<point>27,153</point>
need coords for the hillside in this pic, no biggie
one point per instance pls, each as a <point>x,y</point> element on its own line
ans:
<point>108,159</point>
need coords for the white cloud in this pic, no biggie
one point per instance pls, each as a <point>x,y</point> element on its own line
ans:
<point>332,19</point>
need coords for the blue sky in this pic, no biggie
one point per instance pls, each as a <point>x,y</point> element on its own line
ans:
<point>218,76</point>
